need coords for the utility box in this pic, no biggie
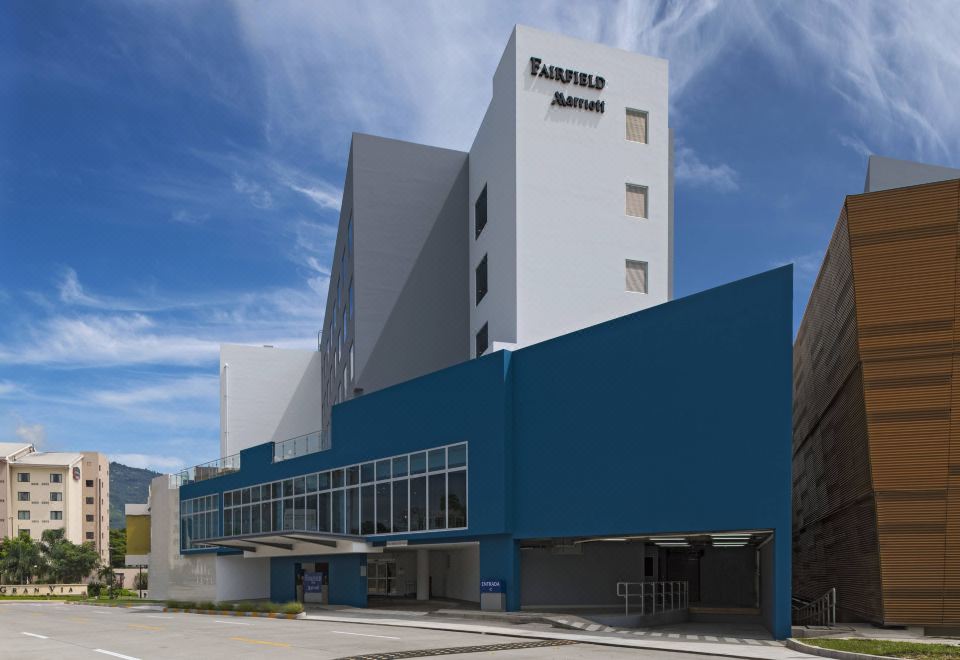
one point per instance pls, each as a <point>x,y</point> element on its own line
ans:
<point>492,596</point>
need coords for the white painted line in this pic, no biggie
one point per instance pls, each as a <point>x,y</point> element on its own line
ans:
<point>157,616</point>
<point>674,636</point>
<point>692,637</point>
<point>710,639</point>
<point>340,632</point>
<point>232,623</point>
<point>753,641</point>
<point>578,624</point>
<point>656,634</point>
<point>732,640</point>
<point>115,655</point>
<point>770,642</point>
<point>593,627</point>
<point>35,635</point>
<point>608,629</point>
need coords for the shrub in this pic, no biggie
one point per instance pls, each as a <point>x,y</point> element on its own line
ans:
<point>292,607</point>
<point>205,605</point>
<point>245,606</point>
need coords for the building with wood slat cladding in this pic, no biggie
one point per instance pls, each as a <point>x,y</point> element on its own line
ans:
<point>876,418</point>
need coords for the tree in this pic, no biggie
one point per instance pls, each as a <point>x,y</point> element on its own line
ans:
<point>67,562</point>
<point>118,547</point>
<point>20,559</point>
<point>140,582</point>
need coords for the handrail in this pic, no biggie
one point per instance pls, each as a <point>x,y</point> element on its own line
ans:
<point>663,596</point>
<point>819,612</point>
<point>209,470</point>
<point>301,445</point>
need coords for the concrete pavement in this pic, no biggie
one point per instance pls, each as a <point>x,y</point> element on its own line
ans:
<point>49,630</point>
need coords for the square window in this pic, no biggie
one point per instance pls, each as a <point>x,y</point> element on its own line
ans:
<point>481,280</point>
<point>23,477</point>
<point>400,466</point>
<point>89,536</point>
<point>23,496</point>
<point>56,515</point>
<point>23,515</point>
<point>383,470</point>
<point>89,517</point>
<point>480,212</point>
<point>636,125</point>
<point>456,456</point>
<point>89,483</point>
<point>56,497</point>
<point>89,500</point>
<point>56,478</point>
<point>636,201</point>
<point>482,341</point>
<point>437,459</point>
<point>637,276</point>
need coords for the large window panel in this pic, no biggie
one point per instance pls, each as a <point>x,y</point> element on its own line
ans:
<point>323,512</point>
<point>336,517</point>
<point>400,514</point>
<point>383,508</point>
<point>418,504</point>
<point>457,498</point>
<point>366,504</point>
<point>353,511</point>
<point>438,501</point>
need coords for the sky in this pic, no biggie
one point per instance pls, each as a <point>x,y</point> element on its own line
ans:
<point>171,172</point>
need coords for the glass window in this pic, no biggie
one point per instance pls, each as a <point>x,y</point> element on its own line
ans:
<point>23,515</point>
<point>288,513</point>
<point>366,504</point>
<point>353,511</point>
<point>56,515</point>
<point>636,276</point>
<point>323,481</point>
<point>299,486</point>
<point>245,527</point>
<point>56,497</point>
<point>323,512</point>
<point>456,456</point>
<point>480,280</point>
<point>383,470</point>
<point>255,519</point>
<point>480,213</point>
<point>275,490</point>
<point>353,475</point>
<point>636,201</point>
<point>311,483</point>
<point>482,341</point>
<point>288,488</point>
<point>337,478</point>
<point>300,512</point>
<point>438,459</point>
<point>366,472</point>
<point>228,498</point>
<point>56,478</point>
<point>336,512</point>
<point>418,504</point>
<point>311,517</point>
<point>383,507</point>
<point>418,463</point>
<point>245,496</point>
<point>276,518</point>
<point>255,494</point>
<point>636,125</point>
<point>23,477</point>
<point>265,523</point>
<point>438,501</point>
<point>400,506</point>
<point>457,498</point>
<point>400,466</point>
<point>23,496</point>
<point>228,522</point>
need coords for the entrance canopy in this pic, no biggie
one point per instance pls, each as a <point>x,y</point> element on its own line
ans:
<point>291,544</point>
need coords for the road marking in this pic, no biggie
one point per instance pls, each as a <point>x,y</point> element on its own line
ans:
<point>115,655</point>
<point>143,627</point>
<point>157,616</point>
<point>710,639</point>
<point>259,641</point>
<point>76,620</point>
<point>35,635</point>
<point>341,632</point>
<point>232,623</point>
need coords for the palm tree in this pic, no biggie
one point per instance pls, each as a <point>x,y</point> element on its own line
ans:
<point>21,559</point>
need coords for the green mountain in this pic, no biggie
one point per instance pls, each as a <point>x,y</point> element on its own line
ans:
<point>128,485</point>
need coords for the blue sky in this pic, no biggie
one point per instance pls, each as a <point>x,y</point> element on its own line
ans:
<point>170,172</point>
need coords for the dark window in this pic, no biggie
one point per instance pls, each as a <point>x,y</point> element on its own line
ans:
<point>89,500</point>
<point>23,515</point>
<point>457,498</point>
<point>366,504</point>
<point>23,477</point>
<point>481,279</point>
<point>400,506</point>
<point>323,512</point>
<point>89,483</point>
<point>383,508</point>
<point>418,504</point>
<point>56,478</point>
<point>89,517</point>
<point>438,501</point>
<point>89,536</point>
<point>648,567</point>
<point>482,341</point>
<point>480,212</point>
<point>23,496</point>
<point>337,512</point>
<point>353,511</point>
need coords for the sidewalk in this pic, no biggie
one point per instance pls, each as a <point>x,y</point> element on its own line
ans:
<point>565,628</point>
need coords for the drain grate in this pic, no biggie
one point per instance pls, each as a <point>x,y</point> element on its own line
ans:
<point>423,653</point>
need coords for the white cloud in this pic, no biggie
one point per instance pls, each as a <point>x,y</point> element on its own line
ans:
<point>323,195</point>
<point>856,144</point>
<point>185,217</point>
<point>693,171</point>
<point>164,391</point>
<point>259,196</point>
<point>157,463</point>
<point>71,292</point>
<point>35,434</point>
<point>6,387</point>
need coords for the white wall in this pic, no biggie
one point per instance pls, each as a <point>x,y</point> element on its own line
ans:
<point>242,579</point>
<point>558,236</point>
<point>267,394</point>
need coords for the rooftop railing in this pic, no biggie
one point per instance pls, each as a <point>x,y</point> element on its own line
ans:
<point>204,471</point>
<point>301,446</point>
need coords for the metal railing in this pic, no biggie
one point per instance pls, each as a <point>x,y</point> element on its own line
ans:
<point>204,471</point>
<point>819,612</point>
<point>301,446</point>
<point>654,597</point>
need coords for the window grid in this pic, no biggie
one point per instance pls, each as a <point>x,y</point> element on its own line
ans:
<point>199,520</point>
<point>394,495</point>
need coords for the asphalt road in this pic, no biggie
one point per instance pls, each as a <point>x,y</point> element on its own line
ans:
<point>57,630</point>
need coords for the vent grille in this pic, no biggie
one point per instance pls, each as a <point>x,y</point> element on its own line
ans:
<point>637,276</point>
<point>636,125</point>
<point>636,201</point>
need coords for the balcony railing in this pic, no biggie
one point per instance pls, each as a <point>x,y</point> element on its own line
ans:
<point>204,471</point>
<point>301,446</point>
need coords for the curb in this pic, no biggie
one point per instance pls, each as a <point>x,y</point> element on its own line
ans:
<point>123,605</point>
<point>796,645</point>
<point>260,615</point>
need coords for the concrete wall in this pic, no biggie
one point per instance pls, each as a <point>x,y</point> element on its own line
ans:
<point>266,395</point>
<point>768,584</point>
<point>885,173</point>
<point>588,579</point>
<point>242,579</point>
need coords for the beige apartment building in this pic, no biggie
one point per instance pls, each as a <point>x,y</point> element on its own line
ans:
<point>52,490</point>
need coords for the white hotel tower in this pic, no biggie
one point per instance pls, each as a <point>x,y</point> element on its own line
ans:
<point>558,218</point>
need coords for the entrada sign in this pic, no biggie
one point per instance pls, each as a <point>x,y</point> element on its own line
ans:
<point>566,76</point>
<point>43,589</point>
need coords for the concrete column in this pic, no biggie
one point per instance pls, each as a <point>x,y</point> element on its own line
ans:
<point>423,574</point>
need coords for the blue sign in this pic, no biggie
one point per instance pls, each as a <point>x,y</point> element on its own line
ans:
<point>491,586</point>
<point>312,583</point>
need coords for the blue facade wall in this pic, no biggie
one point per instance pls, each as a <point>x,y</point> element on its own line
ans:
<point>673,419</point>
